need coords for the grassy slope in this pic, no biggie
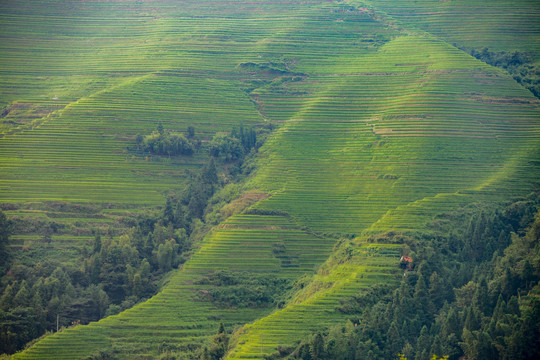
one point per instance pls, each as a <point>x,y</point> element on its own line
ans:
<point>498,25</point>
<point>370,141</point>
<point>432,148</point>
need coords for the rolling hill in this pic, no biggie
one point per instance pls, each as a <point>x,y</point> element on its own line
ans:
<point>381,125</point>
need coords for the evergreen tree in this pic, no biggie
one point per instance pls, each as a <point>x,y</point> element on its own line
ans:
<point>197,202</point>
<point>219,344</point>
<point>168,212</point>
<point>423,344</point>
<point>317,347</point>
<point>525,342</point>
<point>23,296</point>
<point>305,352</point>
<point>97,242</point>
<point>423,307</point>
<point>179,216</point>
<point>209,173</point>
<point>437,291</point>
<point>481,298</point>
<point>472,321</point>
<point>393,341</point>
<point>5,232</point>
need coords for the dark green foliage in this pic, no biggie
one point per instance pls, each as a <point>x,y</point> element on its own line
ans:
<point>525,341</point>
<point>519,64</point>
<point>118,271</point>
<point>227,147</point>
<point>5,232</point>
<point>102,355</point>
<point>233,146</point>
<point>503,59</point>
<point>19,325</point>
<point>248,138</point>
<point>198,193</point>
<point>217,347</point>
<point>235,289</point>
<point>479,319</point>
<point>190,132</point>
<point>162,142</point>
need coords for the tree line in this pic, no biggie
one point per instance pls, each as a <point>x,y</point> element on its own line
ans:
<point>228,147</point>
<point>469,296</point>
<point>118,272</point>
<point>519,64</point>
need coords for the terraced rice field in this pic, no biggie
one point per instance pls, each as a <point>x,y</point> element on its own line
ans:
<point>499,25</point>
<point>381,126</point>
<point>180,315</point>
<point>395,152</point>
<point>316,307</point>
<point>397,133</point>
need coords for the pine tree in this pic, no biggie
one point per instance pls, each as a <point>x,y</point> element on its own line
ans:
<point>5,232</point>
<point>423,307</point>
<point>525,343</point>
<point>500,308</point>
<point>305,353</point>
<point>23,296</point>
<point>407,351</point>
<point>472,321</point>
<point>168,212</point>
<point>317,347</point>
<point>393,341</point>
<point>209,173</point>
<point>436,348</point>
<point>481,298</point>
<point>423,344</point>
<point>197,202</point>
<point>6,301</point>
<point>437,291</point>
<point>219,344</point>
<point>97,242</point>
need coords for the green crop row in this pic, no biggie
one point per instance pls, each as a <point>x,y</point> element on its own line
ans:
<point>379,130</point>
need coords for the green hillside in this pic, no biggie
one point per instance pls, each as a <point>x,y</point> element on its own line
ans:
<point>381,125</point>
<point>499,25</point>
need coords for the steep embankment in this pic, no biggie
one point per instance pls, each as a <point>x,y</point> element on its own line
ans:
<point>379,131</point>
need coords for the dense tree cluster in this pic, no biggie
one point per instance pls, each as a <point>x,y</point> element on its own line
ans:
<point>468,296</point>
<point>230,147</point>
<point>237,290</point>
<point>5,232</point>
<point>117,273</point>
<point>217,347</point>
<point>163,142</point>
<point>233,146</point>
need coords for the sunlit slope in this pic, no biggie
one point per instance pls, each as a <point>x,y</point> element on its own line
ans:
<point>371,139</point>
<point>316,307</point>
<point>409,135</point>
<point>498,25</point>
<point>181,316</point>
<point>80,80</point>
<point>80,153</point>
<point>395,128</point>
